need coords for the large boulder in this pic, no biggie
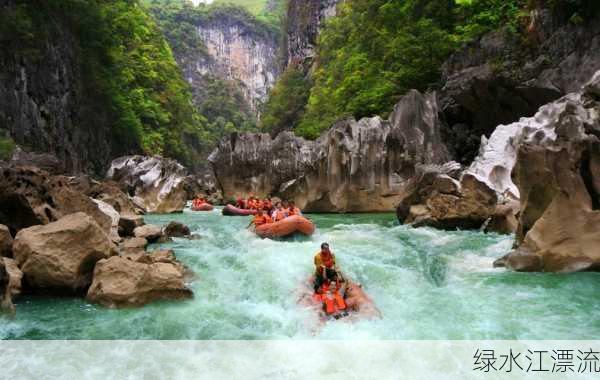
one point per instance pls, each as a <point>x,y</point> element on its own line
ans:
<point>354,166</point>
<point>128,223</point>
<point>111,193</point>
<point>433,198</point>
<point>114,217</point>
<point>558,183</point>
<point>6,241</point>
<point>121,282</point>
<point>30,196</point>
<point>149,232</point>
<point>176,229</point>
<point>158,182</point>
<point>44,161</point>
<point>10,284</point>
<point>133,246</point>
<point>60,256</point>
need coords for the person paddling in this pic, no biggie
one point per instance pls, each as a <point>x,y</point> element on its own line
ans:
<point>328,280</point>
<point>325,266</point>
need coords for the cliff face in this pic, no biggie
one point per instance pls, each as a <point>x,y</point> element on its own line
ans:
<point>503,76</point>
<point>355,166</point>
<point>236,51</point>
<point>304,21</point>
<point>47,105</point>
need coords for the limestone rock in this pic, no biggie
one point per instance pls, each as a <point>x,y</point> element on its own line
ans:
<point>6,241</point>
<point>158,182</point>
<point>149,232</point>
<point>61,255</point>
<point>119,282</point>
<point>503,76</point>
<point>557,180</point>
<point>305,20</point>
<point>43,161</point>
<point>128,223</point>
<point>354,166</point>
<point>505,218</point>
<point>29,196</point>
<point>436,200</point>
<point>133,245</point>
<point>177,229</point>
<point>110,192</point>
<point>10,284</point>
<point>114,217</point>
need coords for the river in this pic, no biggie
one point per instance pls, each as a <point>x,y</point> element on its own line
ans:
<point>428,284</point>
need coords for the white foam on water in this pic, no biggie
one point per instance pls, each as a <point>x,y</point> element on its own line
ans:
<point>428,284</point>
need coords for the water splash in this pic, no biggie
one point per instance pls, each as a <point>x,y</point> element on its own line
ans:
<point>428,284</point>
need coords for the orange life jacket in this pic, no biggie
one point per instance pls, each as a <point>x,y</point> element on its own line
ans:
<point>327,260</point>
<point>332,302</point>
<point>259,220</point>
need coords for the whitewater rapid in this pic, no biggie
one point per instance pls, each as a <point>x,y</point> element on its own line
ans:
<point>428,284</point>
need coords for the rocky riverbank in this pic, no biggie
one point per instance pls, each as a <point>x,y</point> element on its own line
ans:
<point>75,236</point>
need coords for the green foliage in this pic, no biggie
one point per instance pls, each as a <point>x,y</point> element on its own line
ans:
<point>220,101</point>
<point>225,108</point>
<point>376,50</point>
<point>130,70</point>
<point>287,101</point>
<point>7,146</point>
<point>254,6</point>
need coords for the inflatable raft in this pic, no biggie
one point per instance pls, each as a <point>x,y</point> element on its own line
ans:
<point>203,207</point>
<point>231,210</point>
<point>286,227</point>
<point>349,302</point>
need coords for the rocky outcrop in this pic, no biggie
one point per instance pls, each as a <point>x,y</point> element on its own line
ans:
<point>60,256</point>
<point>176,229</point>
<point>305,19</point>
<point>122,282</point>
<point>29,196</point>
<point>110,192</point>
<point>354,166</point>
<point>434,198</point>
<point>149,232</point>
<point>128,223</point>
<point>44,161</point>
<point>47,102</point>
<point>505,76</point>
<point>158,184</point>
<point>6,241</point>
<point>114,218</point>
<point>557,176</point>
<point>10,284</point>
<point>238,48</point>
<point>134,245</point>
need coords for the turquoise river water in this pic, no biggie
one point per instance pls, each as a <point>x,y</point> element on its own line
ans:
<point>428,284</point>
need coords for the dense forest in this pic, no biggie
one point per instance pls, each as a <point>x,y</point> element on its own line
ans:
<point>376,50</point>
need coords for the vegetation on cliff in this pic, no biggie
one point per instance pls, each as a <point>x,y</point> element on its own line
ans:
<point>126,62</point>
<point>219,100</point>
<point>376,50</point>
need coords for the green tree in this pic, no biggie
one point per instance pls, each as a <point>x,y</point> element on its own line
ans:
<point>287,101</point>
